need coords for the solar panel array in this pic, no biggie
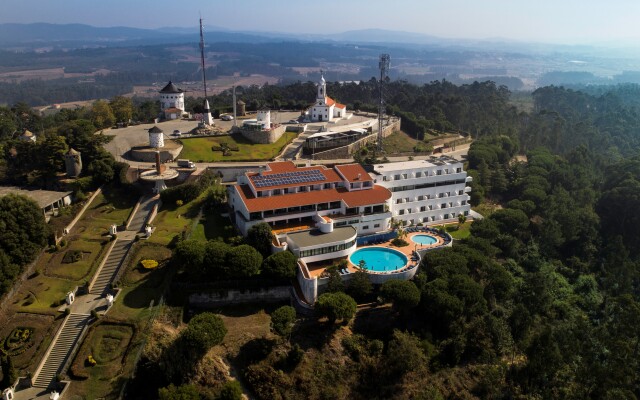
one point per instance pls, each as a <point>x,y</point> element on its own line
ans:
<point>287,178</point>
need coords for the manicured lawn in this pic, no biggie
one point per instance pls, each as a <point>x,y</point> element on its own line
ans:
<point>459,231</point>
<point>112,345</point>
<point>211,226</point>
<point>199,149</point>
<point>172,221</point>
<point>112,206</point>
<point>27,352</point>
<point>39,293</point>
<point>140,286</point>
<point>84,268</point>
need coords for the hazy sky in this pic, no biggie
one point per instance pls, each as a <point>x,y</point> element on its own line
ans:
<point>556,21</point>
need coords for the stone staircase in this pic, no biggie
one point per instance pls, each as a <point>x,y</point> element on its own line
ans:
<point>60,350</point>
<point>110,267</point>
<point>142,213</point>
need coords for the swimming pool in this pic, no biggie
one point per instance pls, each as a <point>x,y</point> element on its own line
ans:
<point>379,259</point>
<point>424,239</point>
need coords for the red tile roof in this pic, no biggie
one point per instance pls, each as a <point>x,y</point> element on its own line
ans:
<point>329,101</point>
<point>339,105</point>
<point>376,195</point>
<point>330,176</point>
<point>353,173</point>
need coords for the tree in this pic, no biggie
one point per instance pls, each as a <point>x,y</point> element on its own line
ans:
<point>183,392</point>
<point>336,306</point>
<point>204,331</point>
<point>283,320</point>
<point>335,283</point>
<point>23,230</point>
<point>403,294</point>
<point>404,354</point>
<point>189,254</point>
<point>243,261</point>
<point>102,115</point>
<point>101,171</point>
<point>9,373</point>
<point>280,265</point>
<point>261,238</point>
<point>214,265</point>
<point>231,390</point>
<point>122,108</point>
<point>360,285</point>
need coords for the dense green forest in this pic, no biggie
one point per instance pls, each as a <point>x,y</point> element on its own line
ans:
<point>542,301</point>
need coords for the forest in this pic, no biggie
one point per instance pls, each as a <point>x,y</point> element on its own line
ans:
<point>540,302</point>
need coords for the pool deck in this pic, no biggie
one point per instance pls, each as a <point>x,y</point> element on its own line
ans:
<point>316,269</point>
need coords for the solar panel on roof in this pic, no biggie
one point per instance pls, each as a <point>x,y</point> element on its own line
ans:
<point>287,178</point>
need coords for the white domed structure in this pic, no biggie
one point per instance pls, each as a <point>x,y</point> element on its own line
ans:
<point>172,101</point>
<point>156,137</point>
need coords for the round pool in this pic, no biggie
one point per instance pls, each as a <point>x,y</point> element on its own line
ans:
<point>424,239</point>
<point>379,259</point>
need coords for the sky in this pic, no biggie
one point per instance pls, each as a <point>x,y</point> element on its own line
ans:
<point>547,21</point>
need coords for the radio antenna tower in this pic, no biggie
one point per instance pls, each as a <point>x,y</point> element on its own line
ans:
<point>206,116</point>
<point>385,61</point>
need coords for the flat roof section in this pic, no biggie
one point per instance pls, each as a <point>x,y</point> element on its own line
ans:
<point>44,198</point>
<point>415,164</point>
<point>315,238</point>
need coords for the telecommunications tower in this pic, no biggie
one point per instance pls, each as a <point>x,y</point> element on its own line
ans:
<point>206,115</point>
<point>384,70</point>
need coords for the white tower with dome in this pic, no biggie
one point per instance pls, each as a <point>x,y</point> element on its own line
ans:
<point>325,108</point>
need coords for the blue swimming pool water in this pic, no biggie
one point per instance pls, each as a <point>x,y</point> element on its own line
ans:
<point>379,259</point>
<point>424,239</point>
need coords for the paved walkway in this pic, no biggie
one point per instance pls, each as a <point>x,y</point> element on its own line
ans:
<point>68,338</point>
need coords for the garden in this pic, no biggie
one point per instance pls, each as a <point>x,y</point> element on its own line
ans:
<point>25,337</point>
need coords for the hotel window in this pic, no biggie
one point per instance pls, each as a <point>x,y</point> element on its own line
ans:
<point>439,172</point>
<point>407,200</point>
<point>302,189</point>
<point>400,212</point>
<point>420,198</point>
<point>276,191</point>
<point>430,207</point>
<point>423,208</point>
<point>327,186</point>
<point>396,177</point>
<point>385,178</point>
<point>404,176</point>
<point>376,225</point>
<point>418,174</point>
<point>460,192</point>
<point>443,205</point>
<point>458,170</point>
<point>365,227</point>
<point>399,201</point>
<point>464,202</point>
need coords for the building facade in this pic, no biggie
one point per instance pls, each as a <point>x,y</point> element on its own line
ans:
<point>425,191</point>
<point>291,199</point>
<point>172,101</point>
<point>325,108</point>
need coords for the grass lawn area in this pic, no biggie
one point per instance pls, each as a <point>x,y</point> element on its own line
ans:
<point>399,142</point>
<point>53,263</point>
<point>111,345</point>
<point>39,293</point>
<point>140,286</point>
<point>27,353</point>
<point>459,231</point>
<point>172,221</point>
<point>212,225</point>
<point>199,149</point>
<point>112,206</point>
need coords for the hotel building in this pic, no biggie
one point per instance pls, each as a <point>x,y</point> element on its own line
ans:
<point>425,191</point>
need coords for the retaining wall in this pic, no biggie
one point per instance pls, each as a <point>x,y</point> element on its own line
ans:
<point>263,137</point>
<point>227,297</point>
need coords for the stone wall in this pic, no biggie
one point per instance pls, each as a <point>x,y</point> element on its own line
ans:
<point>263,137</point>
<point>223,297</point>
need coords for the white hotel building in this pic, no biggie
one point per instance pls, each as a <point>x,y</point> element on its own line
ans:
<point>425,191</point>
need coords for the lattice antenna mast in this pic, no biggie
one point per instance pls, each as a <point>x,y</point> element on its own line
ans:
<point>384,64</point>
<point>204,75</point>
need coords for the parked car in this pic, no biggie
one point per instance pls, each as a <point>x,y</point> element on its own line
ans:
<point>182,163</point>
<point>176,133</point>
<point>226,117</point>
<point>292,121</point>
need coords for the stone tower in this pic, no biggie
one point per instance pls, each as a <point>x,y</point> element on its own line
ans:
<point>156,137</point>
<point>73,163</point>
<point>242,108</point>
